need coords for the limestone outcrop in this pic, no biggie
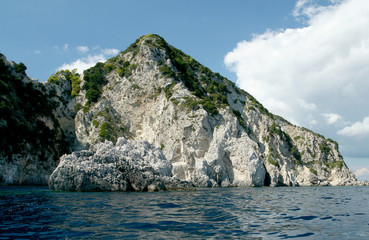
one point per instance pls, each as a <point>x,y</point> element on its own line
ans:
<point>126,166</point>
<point>212,132</point>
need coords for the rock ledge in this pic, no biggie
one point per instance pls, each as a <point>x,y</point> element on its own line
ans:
<point>127,166</point>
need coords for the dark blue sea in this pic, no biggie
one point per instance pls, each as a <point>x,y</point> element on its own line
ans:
<point>211,213</point>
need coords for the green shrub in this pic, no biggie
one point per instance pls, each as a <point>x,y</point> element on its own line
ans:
<point>313,171</point>
<point>240,119</point>
<point>105,131</point>
<point>169,90</point>
<point>275,129</point>
<point>108,67</point>
<point>209,106</point>
<point>191,103</point>
<point>77,107</point>
<point>96,123</point>
<point>336,164</point>
<point>272,161</point>
<point>53,79</point>
<point>295,153</point>
<point>167,71</point>
<point>94,80</point>
<point>296,138</point>
<point>136,86</point>
<point>76,81</point>
<point>324,148</point>
<point>92,95</point>
<point>20,68</point>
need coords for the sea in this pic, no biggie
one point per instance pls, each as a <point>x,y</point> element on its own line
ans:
<point>205,213</point>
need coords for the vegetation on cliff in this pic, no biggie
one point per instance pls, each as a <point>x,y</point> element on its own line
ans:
<point>27,123</point>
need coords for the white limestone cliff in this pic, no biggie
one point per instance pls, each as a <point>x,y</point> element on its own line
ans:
<point>212,132</point>
<point>204,148</point>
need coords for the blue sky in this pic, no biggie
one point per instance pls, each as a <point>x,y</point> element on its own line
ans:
<point>306,60</point>
<point>36,32</point>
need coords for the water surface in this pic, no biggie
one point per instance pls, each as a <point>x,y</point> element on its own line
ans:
<point>211,213</point>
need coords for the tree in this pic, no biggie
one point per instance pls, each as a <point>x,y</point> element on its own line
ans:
<point>20,68</point>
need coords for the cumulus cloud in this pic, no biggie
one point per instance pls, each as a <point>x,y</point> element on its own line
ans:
<point>95,55</point>
<point>310,8</point>
<point>309,71</point>
<point>331,118</point>
<point>110,51</point>
<point>356,129</point>
<point>83,49</point>
<point>362,173</point>
<point>83,63</point>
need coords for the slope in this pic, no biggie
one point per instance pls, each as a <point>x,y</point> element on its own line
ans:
<point>214,133</point>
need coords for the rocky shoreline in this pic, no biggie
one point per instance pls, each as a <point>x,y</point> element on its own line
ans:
<point>126,166</point>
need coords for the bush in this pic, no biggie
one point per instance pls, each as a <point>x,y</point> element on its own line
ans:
<point>77,107</point>
<point>95,123</point>
<point>126,69</point>
<point>324,148</point>
<point>92,95</point>
<point>20,68</point>
<point>275,129</point>
<point>53,79</point>
<point>76,81</point>
<point>272,161</point>
<point>313,171</point>
<point>94,81</point>
<point>240,119</point>
<point>210,107</point>
<point>108,67</point>
<point>105,131</point>
<point>295,153</point>
<point>167,71</point>
<point>136,86</point>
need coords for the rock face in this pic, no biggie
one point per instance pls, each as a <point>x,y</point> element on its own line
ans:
<point>129,165</point>
<point>212,132</point>
<point>31,137</point>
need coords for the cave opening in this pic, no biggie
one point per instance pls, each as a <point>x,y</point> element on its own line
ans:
<point>267,180</point>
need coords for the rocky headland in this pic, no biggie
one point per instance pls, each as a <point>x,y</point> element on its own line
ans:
<point>198,124</point>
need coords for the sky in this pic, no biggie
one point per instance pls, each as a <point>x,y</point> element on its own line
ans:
<point>305,60</point>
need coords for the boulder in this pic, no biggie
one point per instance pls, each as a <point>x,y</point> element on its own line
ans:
<point>126,166</point>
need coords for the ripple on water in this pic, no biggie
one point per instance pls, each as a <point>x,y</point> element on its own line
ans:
<point>251,213</point>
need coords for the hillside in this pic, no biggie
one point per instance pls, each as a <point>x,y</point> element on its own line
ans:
<point>212,132</point>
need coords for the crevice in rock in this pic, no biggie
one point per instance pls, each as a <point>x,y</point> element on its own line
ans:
<point>267,179</point>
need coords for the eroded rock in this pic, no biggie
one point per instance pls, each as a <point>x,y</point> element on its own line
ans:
<point>126,166</point>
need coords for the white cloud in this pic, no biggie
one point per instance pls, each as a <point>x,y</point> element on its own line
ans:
<point>83,63</point>
<point>110,51</point>
<point>362,174</point>
<point>95,55</point>
<point>356,129</point>
<point>306,105</point>
<point>65,47</point>
<point>310,8</point>
<point>313,70</point>
<point>83,49</point>
<point>37,52</point>
<point>331,118</point>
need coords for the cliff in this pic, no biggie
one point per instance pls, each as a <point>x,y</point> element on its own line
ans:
<point>31,138</point>
<point>212,132</point>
